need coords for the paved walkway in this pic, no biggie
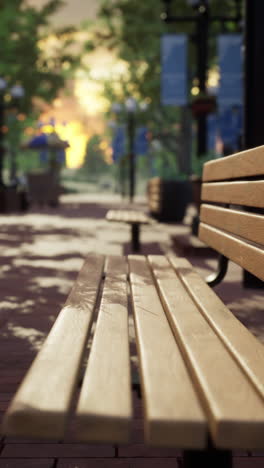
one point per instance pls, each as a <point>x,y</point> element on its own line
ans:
<point>41,253</point>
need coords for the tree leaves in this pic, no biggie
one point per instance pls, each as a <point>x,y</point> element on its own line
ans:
<point>24,60</point>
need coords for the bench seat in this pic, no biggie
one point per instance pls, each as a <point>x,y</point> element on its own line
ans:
<point>201,371</point>
<point>128,216</point>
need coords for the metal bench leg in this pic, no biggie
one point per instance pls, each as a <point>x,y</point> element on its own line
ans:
<point>215,278</point>
<point>208,458</point>
<point>135,237</point>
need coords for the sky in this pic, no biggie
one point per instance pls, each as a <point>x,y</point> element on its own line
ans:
<point>73,12</point>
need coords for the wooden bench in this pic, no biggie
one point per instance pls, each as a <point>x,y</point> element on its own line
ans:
<point>201,371</point>
<point>135,219</point>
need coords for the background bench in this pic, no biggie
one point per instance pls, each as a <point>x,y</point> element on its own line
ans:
<point>201,371</point>
<point>135,219</point>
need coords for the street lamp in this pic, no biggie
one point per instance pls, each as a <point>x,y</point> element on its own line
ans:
<point>131,107</point>
<point>117,108</point>
<point>16,93</point>
<point>202,19</point>
<point>202,27</point>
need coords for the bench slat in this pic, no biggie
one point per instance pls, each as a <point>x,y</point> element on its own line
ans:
<point>246,255</point>
<point>247,350</point>
<point>235,410</point>
<point>247,225</point>
<point>244,164</point>
<point>127,216</point>
<point>173,415</point>
<point>41,404</point>
<point>104,411</point>
<point>249,193</point>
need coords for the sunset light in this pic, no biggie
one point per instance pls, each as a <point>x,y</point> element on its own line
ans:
<point>77,136</point>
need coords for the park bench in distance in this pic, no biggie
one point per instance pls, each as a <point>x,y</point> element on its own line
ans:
<point>135,219</point>
<point>201,370</point>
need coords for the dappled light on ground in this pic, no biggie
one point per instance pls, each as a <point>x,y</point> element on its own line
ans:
<point>41,253</point>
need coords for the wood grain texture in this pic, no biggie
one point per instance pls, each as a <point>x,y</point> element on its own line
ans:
<point>247,225</point>
<point>173,415</point>
<point>247,350</point>
<point>104,411</point>
<point>249,193</point>
<point>127,216</point>
<point>41,404</point>
<point>246,255</point>
<point>244,164</point>
<point>235,409</point>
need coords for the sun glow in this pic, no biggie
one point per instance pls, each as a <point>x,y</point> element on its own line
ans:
<point>89,88</point>
<point>77,137</point>
<point>85,106</point>
<point>89,94</point>
<point>75,133</point>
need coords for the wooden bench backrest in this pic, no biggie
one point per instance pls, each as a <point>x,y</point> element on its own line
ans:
<point>232,220</point>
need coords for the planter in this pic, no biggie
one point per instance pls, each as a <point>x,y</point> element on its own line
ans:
<point>43,188</point>
<point>12,200</point>
<point>168,199</point>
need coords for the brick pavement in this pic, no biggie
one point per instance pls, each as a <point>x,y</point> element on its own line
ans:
<point>41,253</point>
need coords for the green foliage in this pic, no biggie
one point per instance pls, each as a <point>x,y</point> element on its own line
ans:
<point>197,163</point>
<point>94,162</point>
<point>24,59</point>
<point>132,30</point>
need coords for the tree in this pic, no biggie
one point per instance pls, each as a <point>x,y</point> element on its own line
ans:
<point>28,59</point>
<point>132,30</point>
<point>24,30</point>
<point>94,162</point>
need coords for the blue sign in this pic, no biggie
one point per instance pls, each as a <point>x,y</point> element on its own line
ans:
<point>141,141</point>
<point>118,144</point>
<point>230,126</point>
<point>212,129</point>
<point>174,69</point>
<point>231,67</point>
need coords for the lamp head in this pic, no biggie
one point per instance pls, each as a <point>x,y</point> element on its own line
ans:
<point>17,91</point>
<point>3,84</point>
<point>131,104</point>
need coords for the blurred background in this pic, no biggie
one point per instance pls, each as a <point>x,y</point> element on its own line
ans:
<point>105,95</point>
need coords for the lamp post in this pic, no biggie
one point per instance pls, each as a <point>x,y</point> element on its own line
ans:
<point>131,107</point>
<point>202,26</point>
<point>16,93</point>
<point>116,108</point>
